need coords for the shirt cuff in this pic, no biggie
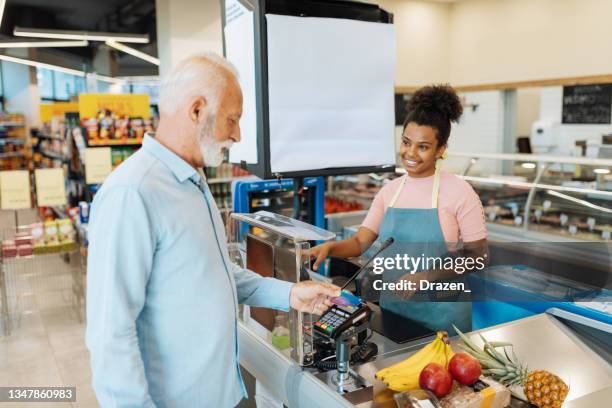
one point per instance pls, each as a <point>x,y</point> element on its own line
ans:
<point>278,292</point>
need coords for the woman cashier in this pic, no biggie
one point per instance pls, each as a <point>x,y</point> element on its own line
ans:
<point>428,213</point>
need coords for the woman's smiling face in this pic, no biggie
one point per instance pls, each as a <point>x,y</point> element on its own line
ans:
<point>419,150</point>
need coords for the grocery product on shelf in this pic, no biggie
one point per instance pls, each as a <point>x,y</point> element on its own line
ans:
<point>336,205</point>
<point>541,388</point>
<point>40,238</point>
<point>405,374</point>
<point>120,153</point>
<point>14,150</point>
<point>109,129</point>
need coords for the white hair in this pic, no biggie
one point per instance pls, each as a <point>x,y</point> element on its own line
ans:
<point>204,74</point>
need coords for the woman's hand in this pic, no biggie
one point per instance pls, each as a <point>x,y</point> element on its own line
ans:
<point>407,293</point>
<point>320,252</point>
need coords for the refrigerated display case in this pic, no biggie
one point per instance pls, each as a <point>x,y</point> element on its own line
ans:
<point>546,198</point>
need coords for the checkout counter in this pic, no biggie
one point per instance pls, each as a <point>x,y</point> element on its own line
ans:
<point>281,350</point>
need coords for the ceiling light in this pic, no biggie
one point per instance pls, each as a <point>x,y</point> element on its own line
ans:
<point>70,71</point>
<point>528,165</point>
<point>132,51</point>
<point>42,65</point>
<point>41,44</point>
<point>80,35</point>
<point>602,171</point>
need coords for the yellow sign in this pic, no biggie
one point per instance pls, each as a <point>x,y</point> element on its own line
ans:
<point>130,105</point>
<point>97,164</point>
<point>15,190</point>
<point>50,189</point>
<point>49,110</point>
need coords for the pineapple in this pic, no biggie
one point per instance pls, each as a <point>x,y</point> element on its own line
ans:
<point>542,389</point>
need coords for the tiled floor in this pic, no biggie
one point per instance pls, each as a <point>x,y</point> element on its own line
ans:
<point>47,348</point>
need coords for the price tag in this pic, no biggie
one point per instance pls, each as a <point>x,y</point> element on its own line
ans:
<point>591,223</point>
<point>97,164</point>
<point>538,214</point>
<point>518,220</point>
<point>563,219</point>
<point>15,190</point>
<point>50,187</point>
<point>573,229</point>
<point>513,208</point>
<point>546,204</point>
<point>492,216</point>
<point>605,235</point>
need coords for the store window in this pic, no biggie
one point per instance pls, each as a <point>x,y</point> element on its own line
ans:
<point>45,83</point>
<point>59,86</point>
<point>80,85</point>
<point>103,87</point>
<point>64,85</point>
<point>151,90</point>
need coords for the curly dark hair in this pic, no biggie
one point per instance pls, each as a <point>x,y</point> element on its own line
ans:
<point>435,106</point>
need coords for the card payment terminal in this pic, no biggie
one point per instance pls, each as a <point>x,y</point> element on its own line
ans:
<point>346,312</point>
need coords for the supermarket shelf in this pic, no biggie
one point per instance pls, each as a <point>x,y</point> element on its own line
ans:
<point>8,155</point>
<point>12,124</point>
<point>12,140</point>
<point>52,155</point>
<point>221,180</point>
<point>110,142</point>
<point>43,136</point>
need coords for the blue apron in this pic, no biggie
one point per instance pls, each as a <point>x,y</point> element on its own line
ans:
<point>417,233</point>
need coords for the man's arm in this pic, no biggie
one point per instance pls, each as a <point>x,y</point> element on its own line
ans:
<point>307,296</point>
<point>121,249</point>
<point>255,290</point>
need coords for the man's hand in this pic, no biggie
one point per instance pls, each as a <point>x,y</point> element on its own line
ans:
<point>312,297</point>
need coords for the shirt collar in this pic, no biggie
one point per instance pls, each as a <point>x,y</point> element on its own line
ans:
<point>179,167</point>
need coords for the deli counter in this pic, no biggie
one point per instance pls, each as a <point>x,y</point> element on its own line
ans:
<point>285,354</point>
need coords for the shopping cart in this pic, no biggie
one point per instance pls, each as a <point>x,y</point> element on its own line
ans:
<point>39,282</point>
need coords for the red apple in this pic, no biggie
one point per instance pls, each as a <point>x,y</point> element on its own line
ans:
<point>436,379</point>
<point>465,368</point>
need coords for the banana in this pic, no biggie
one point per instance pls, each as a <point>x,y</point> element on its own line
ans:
<point>405,374</point>
<point>411,365</point>
<point>416,359</point>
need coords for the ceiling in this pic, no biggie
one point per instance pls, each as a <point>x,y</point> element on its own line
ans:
<point>121,16</point>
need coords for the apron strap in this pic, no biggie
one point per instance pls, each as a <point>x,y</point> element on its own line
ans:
<point>435,189</point>
<point>398,191</point>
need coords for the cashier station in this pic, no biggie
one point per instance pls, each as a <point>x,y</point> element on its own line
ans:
<point>331,360</point>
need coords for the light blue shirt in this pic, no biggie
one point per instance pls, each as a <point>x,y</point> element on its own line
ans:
<point>162,294</point>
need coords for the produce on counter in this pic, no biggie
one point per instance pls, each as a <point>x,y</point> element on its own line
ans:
<point>436,379</point>
<point>465,368</point>
<point>483,393</point>
<point>416,399</point>
<point>405,374</point>
<point>542,388</point>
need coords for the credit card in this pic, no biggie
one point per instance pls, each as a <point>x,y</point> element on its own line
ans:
<point>346,300</point>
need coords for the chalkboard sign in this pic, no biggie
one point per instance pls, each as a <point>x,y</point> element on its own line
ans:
<point>587,104</point>
<point>401,100</point>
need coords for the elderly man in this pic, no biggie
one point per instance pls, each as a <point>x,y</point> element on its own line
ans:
<point>162,294</point>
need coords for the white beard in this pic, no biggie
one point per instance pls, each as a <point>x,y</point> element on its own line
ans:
<point>213,152</point>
